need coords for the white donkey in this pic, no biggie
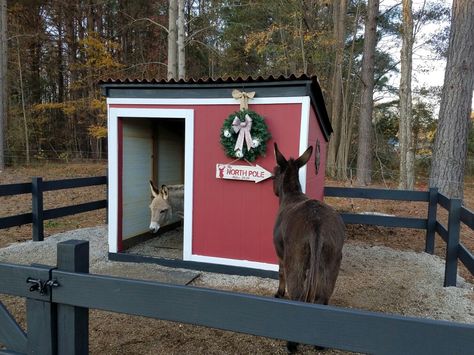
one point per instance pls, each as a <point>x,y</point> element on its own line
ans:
<point>167,205</point>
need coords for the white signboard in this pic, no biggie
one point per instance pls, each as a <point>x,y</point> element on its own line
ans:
<point>242,172</point>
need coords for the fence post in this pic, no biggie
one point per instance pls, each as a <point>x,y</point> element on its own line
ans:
<point>37,208</point>
<point>431,224</point>
<point>73,322</point>
<point>452,245</point>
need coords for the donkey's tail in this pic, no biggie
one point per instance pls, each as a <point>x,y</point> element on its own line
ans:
<point>314,278</point>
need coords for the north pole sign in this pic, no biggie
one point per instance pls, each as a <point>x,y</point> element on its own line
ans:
<point>242,172</point>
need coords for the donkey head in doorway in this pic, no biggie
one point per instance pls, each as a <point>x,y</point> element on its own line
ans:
<point>166,206</point>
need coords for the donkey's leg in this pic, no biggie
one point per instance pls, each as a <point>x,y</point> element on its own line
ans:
<point>291,347</point>
<point>281,280</point>
<point>325,301</point>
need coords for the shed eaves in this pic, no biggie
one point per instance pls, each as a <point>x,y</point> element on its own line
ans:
<point>292,85</point>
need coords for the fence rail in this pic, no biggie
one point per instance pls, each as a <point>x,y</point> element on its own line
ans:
<point>57,320</point>
<point>38,215</point>
<point>450,234</point>
<point>58,298</point>
<point>457,214</point>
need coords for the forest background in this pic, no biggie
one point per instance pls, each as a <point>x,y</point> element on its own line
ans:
<point>55,52</point>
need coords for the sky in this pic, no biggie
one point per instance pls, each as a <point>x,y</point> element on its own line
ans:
<point>427,69</point>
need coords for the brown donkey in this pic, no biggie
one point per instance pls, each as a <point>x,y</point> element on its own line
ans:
<point>308,236</point>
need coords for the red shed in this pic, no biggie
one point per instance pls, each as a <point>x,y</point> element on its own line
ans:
<point>170,132</point>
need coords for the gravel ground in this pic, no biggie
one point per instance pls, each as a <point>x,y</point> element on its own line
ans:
<point>374,278</point>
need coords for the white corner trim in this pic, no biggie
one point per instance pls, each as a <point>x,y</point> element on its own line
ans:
<point>233,262</point>
<point>304,134</point>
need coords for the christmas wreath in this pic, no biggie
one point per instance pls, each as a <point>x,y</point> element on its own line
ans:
<point>244,135</point>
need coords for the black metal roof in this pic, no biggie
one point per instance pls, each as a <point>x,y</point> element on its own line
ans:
<point>292,85</point>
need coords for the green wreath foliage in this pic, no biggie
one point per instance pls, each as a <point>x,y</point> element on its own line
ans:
<point>258,131</point>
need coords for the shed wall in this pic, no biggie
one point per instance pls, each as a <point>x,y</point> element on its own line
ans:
<point>233,220</point>
<point>315,181</point>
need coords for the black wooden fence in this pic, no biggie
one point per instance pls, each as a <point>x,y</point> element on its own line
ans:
<point>58,300</point>
<point>38,215</point>
<point>455,250</point>
<point>450,234</point>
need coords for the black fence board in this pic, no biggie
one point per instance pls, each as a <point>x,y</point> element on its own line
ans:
<point>442,231</point>
<point>15,189</point>
<point>431,222</point>
<point>13,280</point>
<point>70,210</point>
<point>327,326</point>
<point>467,217</point>
<point>384,221</point>
<point>18,220</point>
<point>73,322</point>
<point>41,317</point>
<point>378,194</point>
<point>11,335</point>
<point>443,201</point>
<point>8,352</point>
<point>74,183</point>
<point>466,257</point>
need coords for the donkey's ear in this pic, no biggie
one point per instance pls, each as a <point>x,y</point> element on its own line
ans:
<point>154,189</point>
<point>280,159</point>
<point>164,192</point>
<point>303,159</point>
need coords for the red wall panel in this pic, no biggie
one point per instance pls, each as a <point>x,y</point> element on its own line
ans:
<point>234,219</point>
<point>315,182</point>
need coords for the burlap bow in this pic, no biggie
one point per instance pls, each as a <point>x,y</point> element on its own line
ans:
<point>243,128</point>
<point>243,97</point>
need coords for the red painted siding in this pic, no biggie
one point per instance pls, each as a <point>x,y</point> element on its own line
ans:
<point>315,182</point>
<point>234,219</point>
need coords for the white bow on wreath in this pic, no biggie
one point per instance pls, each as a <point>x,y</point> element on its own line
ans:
<point>243,129</point>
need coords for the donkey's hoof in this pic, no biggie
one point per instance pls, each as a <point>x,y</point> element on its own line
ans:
<point>279,294</point>
<point>291,347</point>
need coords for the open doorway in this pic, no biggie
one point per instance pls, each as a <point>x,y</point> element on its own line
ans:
<point>153,149</point>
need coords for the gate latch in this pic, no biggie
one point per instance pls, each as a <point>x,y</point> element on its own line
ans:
<point>40,285</point>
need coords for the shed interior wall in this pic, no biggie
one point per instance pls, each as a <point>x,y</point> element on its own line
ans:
<point>137,157</point>
<point>153,149</point>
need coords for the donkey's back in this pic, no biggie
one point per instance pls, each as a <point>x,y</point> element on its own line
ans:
<point>312,237</point>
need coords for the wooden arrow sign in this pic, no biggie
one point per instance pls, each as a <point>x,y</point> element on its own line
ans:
<point>242,172</point>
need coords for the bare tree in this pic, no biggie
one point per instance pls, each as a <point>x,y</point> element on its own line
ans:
<point>407,149</point>
<point>449,154</point>
<point>364,153</point>
<point>181,43</point>
<point>23,106</point>
<point>172,39</point>
<point>349,106</point>
<point>3,79</point>
<point>339,14</point>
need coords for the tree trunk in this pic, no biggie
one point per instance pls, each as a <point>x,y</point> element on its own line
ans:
<point>364,153</point>
<point>449,154</point>
<point>407,149</point>
<point>339,13</point>
<point>172,39</point>
<point>347,124</point>
<point>3,79</point>
<point>22,94</point>
<point>181,44</point>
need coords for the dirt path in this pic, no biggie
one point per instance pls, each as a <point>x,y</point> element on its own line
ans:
<point>383,270</point>
<point>373,278</point>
